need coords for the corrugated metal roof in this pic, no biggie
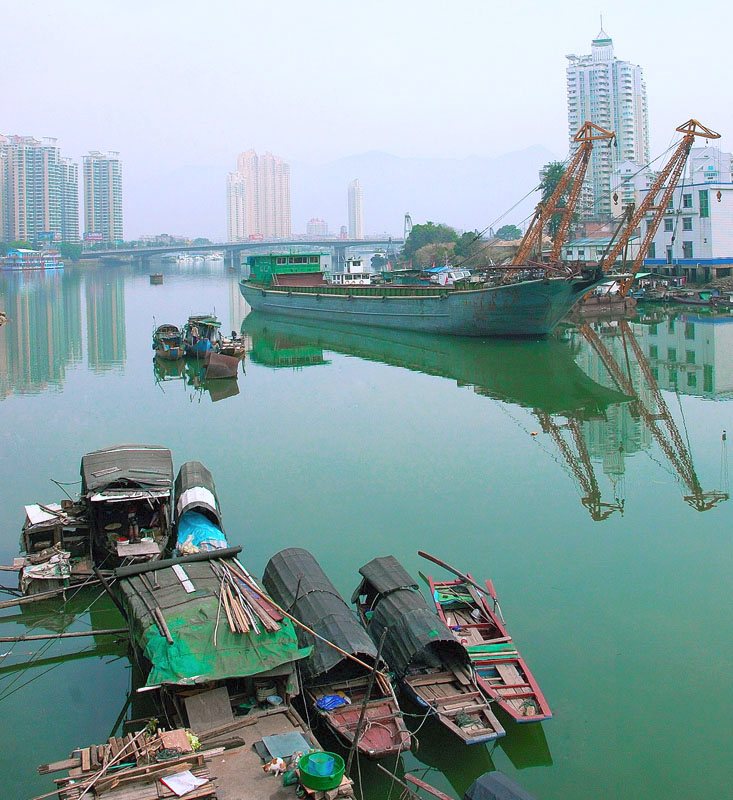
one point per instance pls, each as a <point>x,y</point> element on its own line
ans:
<point>146,466</point>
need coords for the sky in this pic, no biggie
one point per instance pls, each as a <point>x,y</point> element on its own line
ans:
<point>178,85</point>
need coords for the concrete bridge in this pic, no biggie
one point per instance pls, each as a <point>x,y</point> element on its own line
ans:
<point>233,251</point>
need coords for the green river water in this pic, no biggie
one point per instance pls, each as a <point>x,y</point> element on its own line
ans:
<point>500,457</point>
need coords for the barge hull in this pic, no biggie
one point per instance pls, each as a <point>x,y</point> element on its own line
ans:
<point>530,308</point>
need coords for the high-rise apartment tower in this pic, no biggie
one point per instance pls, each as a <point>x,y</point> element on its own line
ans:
<point>103,196</point>
<point>356,214</point>
<point>258,198</point>
<point>39,195</point>
<point>611,93</point>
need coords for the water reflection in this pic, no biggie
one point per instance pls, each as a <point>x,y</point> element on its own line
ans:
<point>43,333</point>
<point>106,342</point>
<point>614,352</point>
<point>595,395</point>
<point>190,374</point>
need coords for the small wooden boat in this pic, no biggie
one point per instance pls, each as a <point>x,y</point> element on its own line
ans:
<point>478,625</point>
<point>156,278</point>
<point>168,342</point>
<point>198,525</point>
<point>232,345</point>
<point>336,682</point>
<point>201,335</point>
<point>432,667</point>
<point>127,491</point>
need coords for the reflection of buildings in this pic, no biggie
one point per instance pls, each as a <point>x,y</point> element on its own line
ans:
<point>690,354</point>
<point>620,432</point>
<point>105,295</point>
<point>43,335</point>
<point>627,366</point>
<point>238,306</point>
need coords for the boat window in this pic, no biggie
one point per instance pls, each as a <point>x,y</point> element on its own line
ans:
<point>281,260</point>
<point>314,259</point>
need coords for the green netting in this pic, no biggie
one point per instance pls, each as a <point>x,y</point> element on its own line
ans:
<point>191,619</point>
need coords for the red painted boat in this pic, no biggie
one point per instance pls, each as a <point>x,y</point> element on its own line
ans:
<point>473,614</point>
<point>338,674</point>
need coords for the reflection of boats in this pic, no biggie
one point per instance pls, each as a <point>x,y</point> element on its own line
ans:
<point>168,342</point>
<point>218,366</point>
<point>193,373</point>
<point>501,672</point>
<point>430,664</point>
<point>526,746</point>
<point>334,684</point>
<point>536,375</point>
<point>201,334</point>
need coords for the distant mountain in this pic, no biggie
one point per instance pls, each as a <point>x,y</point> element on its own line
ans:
<point>465,193</point>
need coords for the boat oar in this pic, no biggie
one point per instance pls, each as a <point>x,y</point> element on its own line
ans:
<point>483,589</point>
<point>456,572</point>
<point>302,625</point>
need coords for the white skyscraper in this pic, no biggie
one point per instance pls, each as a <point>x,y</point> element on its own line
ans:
<point>103,196</point>
<point>258,198</point>
<point>356,214</point>
<point>612,94</point>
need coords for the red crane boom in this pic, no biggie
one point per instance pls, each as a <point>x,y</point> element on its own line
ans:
<point>572,181</point>
<point>670,175</point>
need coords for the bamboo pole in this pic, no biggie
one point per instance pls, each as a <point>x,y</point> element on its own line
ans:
<point>364,705</point>
<point>33,598</point>
<point>302,625</point>
<point>72,635</point>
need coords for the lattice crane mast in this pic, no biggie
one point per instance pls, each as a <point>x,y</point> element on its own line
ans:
<point>669,175</point>
<point>571,184</point>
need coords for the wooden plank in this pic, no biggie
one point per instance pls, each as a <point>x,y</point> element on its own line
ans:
<point>426,787</point>
<point>209,710</point>
<point>176,739</point>
<point>435,677</point>
<point>461,676</point>
<point>86,760</point>
<point>58,766</point>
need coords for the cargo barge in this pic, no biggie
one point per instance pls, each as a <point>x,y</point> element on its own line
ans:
<point>530,306</point>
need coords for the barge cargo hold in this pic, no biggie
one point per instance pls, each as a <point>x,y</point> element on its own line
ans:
<point>527,308</point>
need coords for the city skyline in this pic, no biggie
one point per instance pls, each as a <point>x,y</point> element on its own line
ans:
<point>258,197</point>
<point>178,75</point>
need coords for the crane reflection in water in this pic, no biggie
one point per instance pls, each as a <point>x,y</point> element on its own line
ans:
<point>605,410</point>
<point>628,370</point>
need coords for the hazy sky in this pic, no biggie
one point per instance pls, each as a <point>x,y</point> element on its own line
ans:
<point>172,84</point>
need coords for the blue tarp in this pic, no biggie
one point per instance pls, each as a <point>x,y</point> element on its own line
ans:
<point>196,532</point>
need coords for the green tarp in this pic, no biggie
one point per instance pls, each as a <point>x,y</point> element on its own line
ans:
<point>191,619</point>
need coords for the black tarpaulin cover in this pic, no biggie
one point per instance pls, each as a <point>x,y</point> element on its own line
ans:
<point>415,634</point>
<point>295,581</point>
<point>384,575</point>
<point>496,786</point>
<point>141,465</point>
<point>191,476</point>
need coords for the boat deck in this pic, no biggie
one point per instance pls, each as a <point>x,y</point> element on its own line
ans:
<point>239,772</point>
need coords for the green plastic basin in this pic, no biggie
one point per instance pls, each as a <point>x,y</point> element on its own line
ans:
<point>310,777</point>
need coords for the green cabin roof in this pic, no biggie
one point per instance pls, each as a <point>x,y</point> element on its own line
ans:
<point>192,619</point>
